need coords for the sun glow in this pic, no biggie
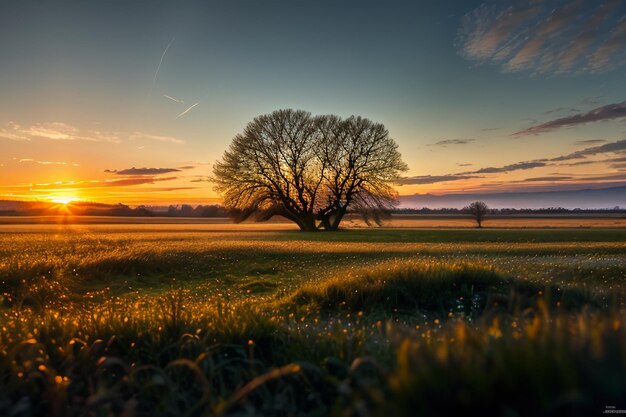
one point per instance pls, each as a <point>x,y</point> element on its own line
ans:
<point>64,200</point>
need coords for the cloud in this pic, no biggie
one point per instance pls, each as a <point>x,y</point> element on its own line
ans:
<point>432,179</point>
<point>612,147</point>
<point>202,179</point>
<point>549,178</point>
<point>610,177</point>
<point>142,171</point>
<point>187,110</point>
<point>590,142</point>
<point>604,57</point>
<point>46,162</point>
<point>83,184</point>
<point>147,136</point>
<point>99,136</point>
<point>174,188</point>
<point>591,101</point>
<point>617,146</point>
<point>571,164</point>
<point>173,99</point>
<point>599,114</point>
<point>13,131</point>
<point>55,131</point>
<point>125,182</point>
<point>156,73</point>
<point>560,110</point>
<point>507,168</point>
<point>548,36</point>
<point>452,142</point>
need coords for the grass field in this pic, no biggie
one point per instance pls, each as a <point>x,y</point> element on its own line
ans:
<point>215,319</point>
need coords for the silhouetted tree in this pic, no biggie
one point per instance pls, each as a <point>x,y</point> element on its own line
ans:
<point>478,209</point>
<point>360,160</point>
<point>309,169</point>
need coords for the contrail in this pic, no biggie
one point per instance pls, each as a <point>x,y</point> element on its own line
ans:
<point>161,61</point>
<point>173,99</point>
<point>187,111</point>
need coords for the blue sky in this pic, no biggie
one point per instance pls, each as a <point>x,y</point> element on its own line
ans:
<point>461,85</point>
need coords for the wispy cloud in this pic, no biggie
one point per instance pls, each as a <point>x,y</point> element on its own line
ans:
<point>432,179</point>
<point>84,184</point>
<point>612,147</point>
<point>591,101</point>
<point>448,142</point>
<point>508,168</point>
<point>613,47</point>
<point>148,136</point>
<point>599,114</point>
<point>156,73</point>
<point>59,131</point>
<point>573,164</point>
<point>590,142</point>
<point>55,131</point>
<point>548,36</point>
<point>187,110</point>
<point>617,146</point>
<point>13,131</point>
<point>23,160</point>
<point>142,171</point>
<point>202,179</point>
<point>174,99</point>
<point>547,178</point>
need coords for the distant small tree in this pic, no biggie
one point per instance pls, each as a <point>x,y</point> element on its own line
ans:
<point>478,210</point>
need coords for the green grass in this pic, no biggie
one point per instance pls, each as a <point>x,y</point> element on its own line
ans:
<point>142,321</point>
<point>462,235</point>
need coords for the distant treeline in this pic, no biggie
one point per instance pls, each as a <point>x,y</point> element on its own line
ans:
<point>99,209</point>
<point>549,210</point>
<point>186,210</point>
<point>215,210</point>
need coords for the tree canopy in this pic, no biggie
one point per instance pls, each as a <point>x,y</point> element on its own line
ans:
<point>478,210</point>
<point>310,169</point>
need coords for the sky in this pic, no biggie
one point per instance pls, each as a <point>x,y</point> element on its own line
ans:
<point>133,101</point>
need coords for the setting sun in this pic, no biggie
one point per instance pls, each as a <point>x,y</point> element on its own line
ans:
<point>65,200</point>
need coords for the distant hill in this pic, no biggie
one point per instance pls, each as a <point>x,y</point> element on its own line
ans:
<point>584,199</point>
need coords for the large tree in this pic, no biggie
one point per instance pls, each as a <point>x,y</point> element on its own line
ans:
<point>310,169</point>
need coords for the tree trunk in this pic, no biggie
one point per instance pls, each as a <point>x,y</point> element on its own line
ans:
<point>334,225</point>
<point>325,222</point>
<point>306,222</point>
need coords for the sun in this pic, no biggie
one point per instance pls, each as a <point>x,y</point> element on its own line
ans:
<point>64,200</point>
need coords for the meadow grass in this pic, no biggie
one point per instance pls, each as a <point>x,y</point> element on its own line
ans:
<point>380,322</point>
